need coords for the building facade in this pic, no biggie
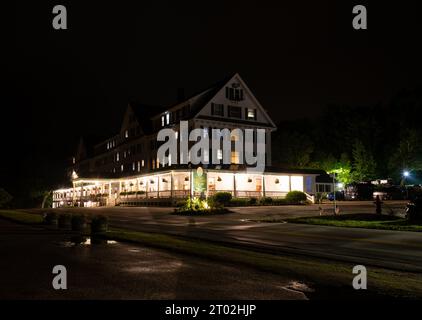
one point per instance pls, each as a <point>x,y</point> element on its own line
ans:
<point>125,169</point>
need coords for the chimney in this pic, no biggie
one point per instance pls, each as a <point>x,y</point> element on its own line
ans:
<point>180,95</point>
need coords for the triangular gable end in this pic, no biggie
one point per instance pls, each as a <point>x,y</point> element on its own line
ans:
<point>249,100</point>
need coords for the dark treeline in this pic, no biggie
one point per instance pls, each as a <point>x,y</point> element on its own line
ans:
<point>360,143</point>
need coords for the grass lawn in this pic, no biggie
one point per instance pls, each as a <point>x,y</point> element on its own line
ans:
<point>21,217</point>
<point>369,221</point>
<point>321,273</point>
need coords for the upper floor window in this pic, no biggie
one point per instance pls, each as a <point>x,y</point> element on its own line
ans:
<point>127,134</point>
<point>163,119</point>
<point>217,109</point>
<point>251,114</point>
<point>235,157</point>
<point>234,93</point>
<point>235,112</point>
<point>168,118</point>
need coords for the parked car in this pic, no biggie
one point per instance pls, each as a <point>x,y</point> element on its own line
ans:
<point>359,191</point>
<point>339,196</point>
<point>414,209</point>
<point>389,193</point>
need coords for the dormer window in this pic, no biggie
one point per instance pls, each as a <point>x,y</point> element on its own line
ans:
<point>234,93</point>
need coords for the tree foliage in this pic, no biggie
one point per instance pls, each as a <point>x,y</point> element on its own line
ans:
<point>5,198</point>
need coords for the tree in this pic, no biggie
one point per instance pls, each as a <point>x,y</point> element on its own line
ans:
<point>408,154</point>
<point>293,150</point>
<point>5,198</point>
<point>364,165</point>
<point>341,167</point>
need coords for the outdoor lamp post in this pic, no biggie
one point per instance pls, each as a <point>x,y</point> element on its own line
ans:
<point>406,174</point>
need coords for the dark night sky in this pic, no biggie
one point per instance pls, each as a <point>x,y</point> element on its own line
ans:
<point>296,58</point>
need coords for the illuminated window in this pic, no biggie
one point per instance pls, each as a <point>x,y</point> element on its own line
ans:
<point>205,132</point>
<point>234,136</point>
<point>251,114</point>
<point>139,165</point>
<point>162,121</point>
<point>219,154</point>
<point>122,168</point>
<point>153,163</point>
<point>143,163</point>
<point>167,118</point>
<point>126,134</point>
<point>170,159</point>
<point>133,166</point>
<point>235,157</point>
<point>117,157</point>
<point>296,183</point>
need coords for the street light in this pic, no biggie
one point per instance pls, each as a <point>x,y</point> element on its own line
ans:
<point>405,175</point>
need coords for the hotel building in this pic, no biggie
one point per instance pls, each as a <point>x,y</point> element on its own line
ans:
<point>125,170</point>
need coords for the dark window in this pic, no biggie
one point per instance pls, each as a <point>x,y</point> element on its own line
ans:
<point>235,112</point>
<point>234,94</point>
<point>217,109</point>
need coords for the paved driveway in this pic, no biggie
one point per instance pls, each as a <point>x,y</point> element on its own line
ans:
<point>391,249</point>
<point>121,271</point>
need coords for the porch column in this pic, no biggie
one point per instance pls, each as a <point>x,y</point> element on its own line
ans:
<point>263,185</point>
<point>158,187</point>
<point>171,185</point>
<point>73,194</point>
<point>234,185</point>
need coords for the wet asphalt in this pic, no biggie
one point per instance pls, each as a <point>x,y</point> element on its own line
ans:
<point>121,271</point>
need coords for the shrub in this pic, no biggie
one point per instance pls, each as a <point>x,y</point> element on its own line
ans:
<point>78,222</point>
<point>99,224</point>
<point>239,202</point>
<point>279,202</point>
<point>295,197</point>
<point>221,199</point>
<point>51,219</point>
<point>265,201</point>
<point>253,201</point>
<point>65,220</point>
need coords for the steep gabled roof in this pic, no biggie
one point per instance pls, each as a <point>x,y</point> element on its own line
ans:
<point>144,112</point>
<point>199,99</point>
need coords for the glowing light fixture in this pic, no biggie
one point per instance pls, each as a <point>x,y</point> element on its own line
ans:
<point>74,175</point>
<point>406,173</point>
